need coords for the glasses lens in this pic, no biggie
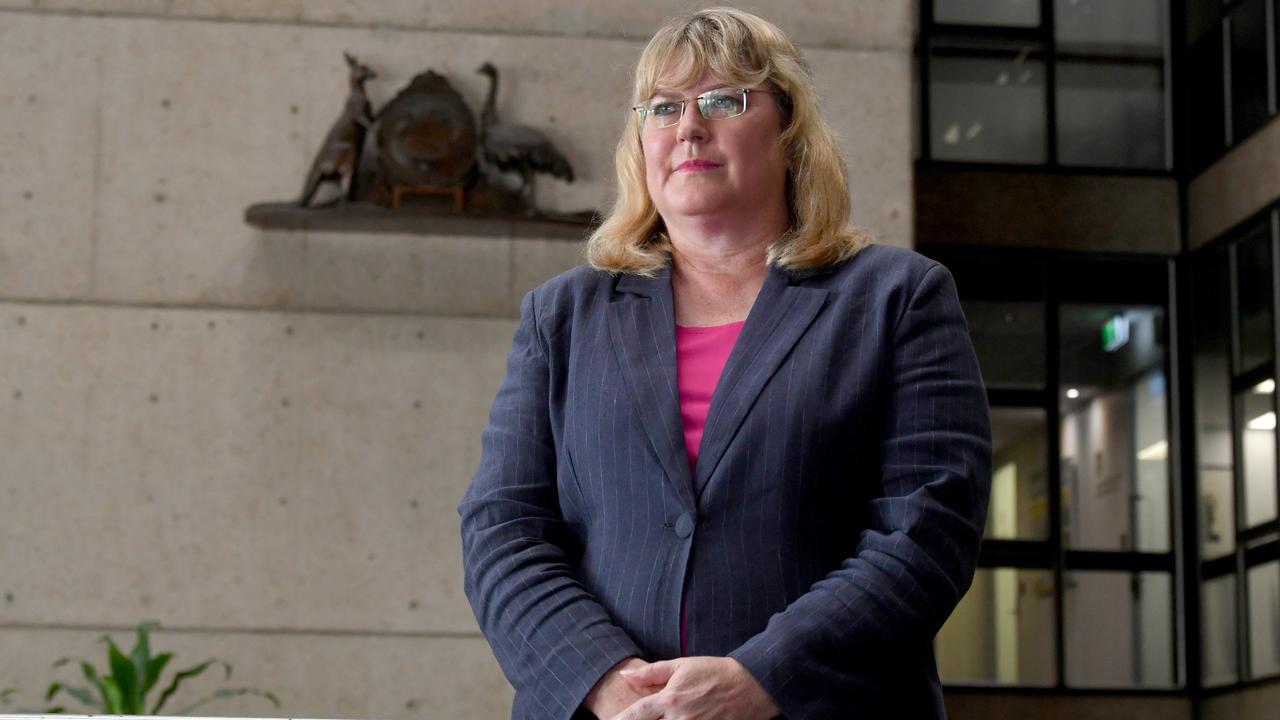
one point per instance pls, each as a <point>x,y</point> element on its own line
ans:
<point>720,104</point>
<point>662,113</point>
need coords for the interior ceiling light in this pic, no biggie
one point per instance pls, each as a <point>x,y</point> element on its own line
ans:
<point>1158,450</point>
<point>1265,421</point>
<point>1073,393</point>
<point>1266,387</point>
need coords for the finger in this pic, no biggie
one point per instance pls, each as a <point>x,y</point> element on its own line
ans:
<point>646,708</point>
<point>657,673</point>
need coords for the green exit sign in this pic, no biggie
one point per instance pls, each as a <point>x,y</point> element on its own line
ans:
<point>1115,334</point>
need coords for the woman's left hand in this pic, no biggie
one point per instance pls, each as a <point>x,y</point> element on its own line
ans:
<point>698,688</point>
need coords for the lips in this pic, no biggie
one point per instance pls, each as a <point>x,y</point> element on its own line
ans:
<point>696,166</point>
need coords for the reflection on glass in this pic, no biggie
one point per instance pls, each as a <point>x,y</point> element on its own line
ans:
<point>1248,68</point>
<point>1253,282</point>
<point>987,109</point>
<point>1211,348</point>
<point>1114,431</point>
<point>1111,114</point>
<point>1019,13</point>
<point>1019,507</point>
<point>1118,629</point>
<point>1218,631</point>
<point>1264,619</point>
<point>1202,15</point>
<point>1133,28</point>
<point>1002,630</point>
<point>1009,340</point>
<point>1258,415</point>
<point>1206,117</point>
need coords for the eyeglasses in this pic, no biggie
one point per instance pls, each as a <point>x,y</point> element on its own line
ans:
<point>718,104</point>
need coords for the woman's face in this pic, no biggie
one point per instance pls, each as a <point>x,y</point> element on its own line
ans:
<point>728,167</point>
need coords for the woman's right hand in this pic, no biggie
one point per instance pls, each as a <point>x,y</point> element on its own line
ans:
<point>612,694</point>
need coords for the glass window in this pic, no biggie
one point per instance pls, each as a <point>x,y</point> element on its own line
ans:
<point>1206,117</point>
<point>1248,68</point>
<point>1114,429</point>
<point>1019,507</point>
<point>1218,631</point>
<point>1258,420</point>
<point>1253,282</point>
<point>1132,28</point>
<point>1210,346</point>
<point>1111,114</point>
<point>1118,629</point>
<point>1009,340</point>
<point>1202,15</point>
<point>1264,619</point>
<point>1018,13</point>
<point>1002,631</point>
<point>987,109</point>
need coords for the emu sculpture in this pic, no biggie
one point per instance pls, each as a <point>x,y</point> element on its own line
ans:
<point>517,148</point>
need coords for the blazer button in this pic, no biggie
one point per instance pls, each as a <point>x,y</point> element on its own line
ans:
<point>684,525</point>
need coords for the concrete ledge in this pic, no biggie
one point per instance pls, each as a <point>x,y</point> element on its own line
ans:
<point>315,676</point>
<point>1244,181</point>
<point>848,24</point>
<point>1007,208</point>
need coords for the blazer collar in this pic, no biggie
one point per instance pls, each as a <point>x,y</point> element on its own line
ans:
<point>642,328</point>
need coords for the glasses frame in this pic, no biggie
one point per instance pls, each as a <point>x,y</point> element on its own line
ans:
<point>642,111</point>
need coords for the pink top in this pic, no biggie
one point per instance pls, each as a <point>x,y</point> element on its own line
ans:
<point>701,354</point>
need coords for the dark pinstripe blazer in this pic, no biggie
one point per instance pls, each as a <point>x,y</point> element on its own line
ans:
<point>831,527</point>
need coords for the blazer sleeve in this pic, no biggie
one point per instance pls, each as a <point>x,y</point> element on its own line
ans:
<point>916,557</point>
<point>552,638</point>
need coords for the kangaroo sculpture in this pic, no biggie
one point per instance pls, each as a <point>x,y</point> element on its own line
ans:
<point>339,157</point>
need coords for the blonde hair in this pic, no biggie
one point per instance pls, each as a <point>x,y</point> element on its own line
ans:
<point>742,49</point>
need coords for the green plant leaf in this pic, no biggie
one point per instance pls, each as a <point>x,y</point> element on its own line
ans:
<point>126,680</point>
<point>225,693</point>
<point>154,669</point>
<point>91,675</point>
<point>183,675</point>
<point>79,693</point>
<point>141,657</point>
<point>114,699</point>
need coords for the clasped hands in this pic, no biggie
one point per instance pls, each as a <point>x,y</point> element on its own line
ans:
<point>690,688</point>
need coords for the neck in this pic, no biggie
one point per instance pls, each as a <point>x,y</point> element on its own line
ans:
<point>716,280</point>
<point>716,245</point>
<point>488,114</point>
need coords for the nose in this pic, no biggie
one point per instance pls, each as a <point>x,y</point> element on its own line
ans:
<point>692,126</point>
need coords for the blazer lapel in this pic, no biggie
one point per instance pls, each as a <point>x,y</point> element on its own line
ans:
<point>778,318</point>
<point>642,327</point>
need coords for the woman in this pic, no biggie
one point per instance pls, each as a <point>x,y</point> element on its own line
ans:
<point>739,466</point>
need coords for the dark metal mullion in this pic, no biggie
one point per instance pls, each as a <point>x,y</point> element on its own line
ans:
<point>1237,472</point>
<point>1275,335</point>
<point>925,89</point>
<point>1050,82</point>
<point>1118,561</point>
<point>1270,20</point>
<point>1054,449</point>
<point>1172,45</point>
<point>1173,431</point>
<point>1227,118</point>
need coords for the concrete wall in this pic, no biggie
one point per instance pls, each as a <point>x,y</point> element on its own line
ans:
<point>259,438</point>
<point>1250,702</point>
<point>1243,182</point>
<point>976,704</point>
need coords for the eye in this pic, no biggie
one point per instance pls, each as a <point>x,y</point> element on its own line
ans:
<point>662,108</point>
